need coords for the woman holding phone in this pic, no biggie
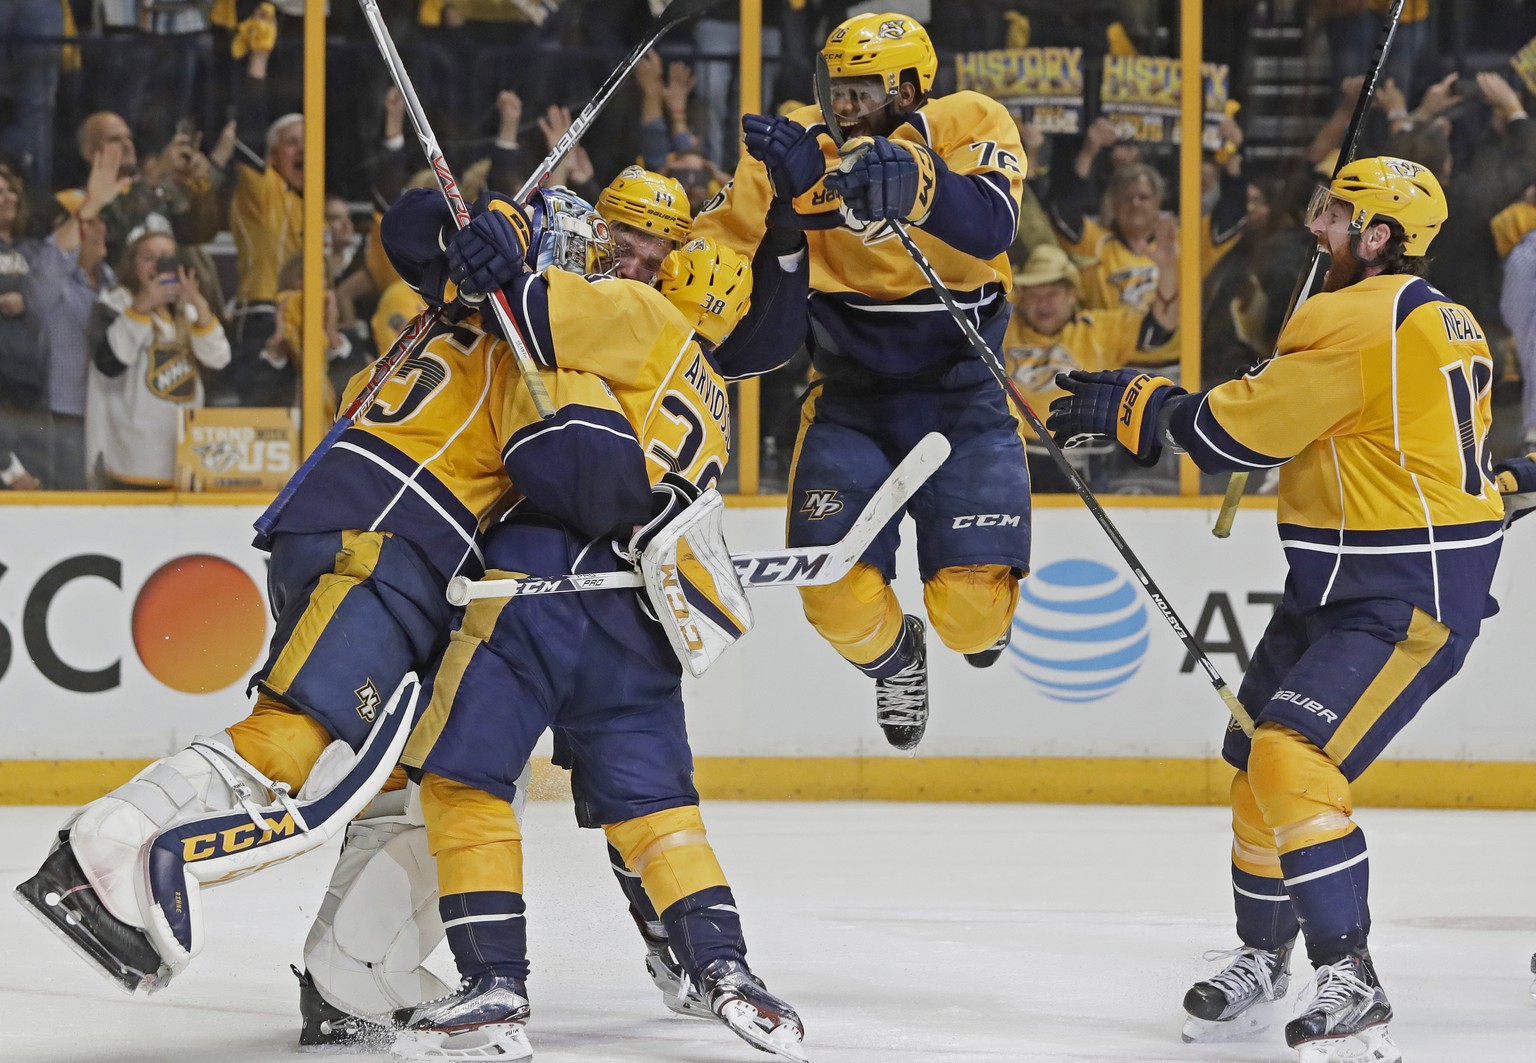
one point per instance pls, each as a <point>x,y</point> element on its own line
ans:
<point>147,338</point>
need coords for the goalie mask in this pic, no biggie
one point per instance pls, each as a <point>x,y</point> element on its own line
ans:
<point>568,234</point>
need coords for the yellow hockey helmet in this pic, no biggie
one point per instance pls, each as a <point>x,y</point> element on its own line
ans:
<point>884,45</point>
<point>710,283</point>
<point>1386,187</point>
<point>649,201</point>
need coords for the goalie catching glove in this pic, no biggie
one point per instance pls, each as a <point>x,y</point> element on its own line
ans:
<point>882,179</point>
<point>1517,483</point>
<point>1121,403</point>
<point>689,576</point>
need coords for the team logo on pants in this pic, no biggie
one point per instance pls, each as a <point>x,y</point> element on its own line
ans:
<point>821,503</point>
<point>368,701</point>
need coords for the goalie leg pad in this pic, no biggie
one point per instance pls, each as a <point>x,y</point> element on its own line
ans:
<point>243,836</point>
<point>108,834</point>
<point>693,585</point>
<point>379,922</point>
<point>371,947</point>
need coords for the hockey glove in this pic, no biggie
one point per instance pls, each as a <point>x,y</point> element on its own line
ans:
<point>789,150</point>
<point>670,495</point>
<point>1121,403</point>
<point>883,179</point>
<point>490,252</point>
<point>1517,482</point>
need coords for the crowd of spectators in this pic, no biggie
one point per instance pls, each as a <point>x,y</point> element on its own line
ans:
<point>152,170</point>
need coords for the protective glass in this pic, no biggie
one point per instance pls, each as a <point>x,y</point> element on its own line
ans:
<point>856,97</point>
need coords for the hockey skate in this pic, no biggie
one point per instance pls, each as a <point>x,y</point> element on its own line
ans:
<point>758,1017</point>
<point>1346,1022</point>
<point>326,1024</point>
<point>667,974</point>
<point>62,897</point>
<point>901,700</point>
<point>1241,1002</point>
<point>988,657</point>
<point>483,1019</point>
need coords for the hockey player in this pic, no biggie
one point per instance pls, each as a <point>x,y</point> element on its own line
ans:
<point>609,685</point>
<point>648,215</point>
<point>892,364</point>
<point>1377,414</point>
<point>361,557</point>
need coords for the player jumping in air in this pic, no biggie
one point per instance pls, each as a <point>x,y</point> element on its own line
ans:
<point>891,364</point>
<point>1377,414</point>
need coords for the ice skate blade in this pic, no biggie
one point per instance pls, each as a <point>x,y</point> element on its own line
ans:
<point>1373,1044</point>
<point>97,958</point>
<point>1248,1025</point>
<point>783,1040</point>
<point>506,1042</point>
<point>690,1006</point>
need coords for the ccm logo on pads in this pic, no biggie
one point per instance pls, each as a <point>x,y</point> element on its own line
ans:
<point>987,520</point>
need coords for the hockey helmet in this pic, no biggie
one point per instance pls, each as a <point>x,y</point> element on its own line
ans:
<point>568,234</point>
<point>881,46</point>
<point>1386,187</point>
<point>711,283</point>
<point>648,201</point>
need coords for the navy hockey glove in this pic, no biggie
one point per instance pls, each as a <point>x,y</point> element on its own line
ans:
<point>490,252</point>
<point>670,495</point>
<point>883,179</point>
<point>1517,483</point>
<point>1122,403</point>
<point>789,150</point>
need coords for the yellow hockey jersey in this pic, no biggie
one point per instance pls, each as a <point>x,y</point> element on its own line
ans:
<point>1378,410</point>
<point>453,437</point>
<point>862,279</point>
<point>1115,275</point>
<point>1091,340</point>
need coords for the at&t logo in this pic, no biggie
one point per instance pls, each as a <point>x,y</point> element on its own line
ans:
<point>1080,631</point>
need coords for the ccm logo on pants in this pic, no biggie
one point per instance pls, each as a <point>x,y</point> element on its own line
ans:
<point>987,520</point>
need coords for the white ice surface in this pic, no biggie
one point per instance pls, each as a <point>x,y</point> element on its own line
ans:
<point>903,934</point>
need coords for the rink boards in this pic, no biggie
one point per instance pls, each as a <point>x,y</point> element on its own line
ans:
<point>126,630</point>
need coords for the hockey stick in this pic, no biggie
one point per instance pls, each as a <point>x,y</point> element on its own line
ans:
<point>526,367</point>
<point>990,359</point>
<point>677,12</point>
<point>1305,283</point>
<point>801,566</point>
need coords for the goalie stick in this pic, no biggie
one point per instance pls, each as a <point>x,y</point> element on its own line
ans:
<point>801,566</point>
<point>1238,482</point>
<point>677,13</point>
<point>990,359</point>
